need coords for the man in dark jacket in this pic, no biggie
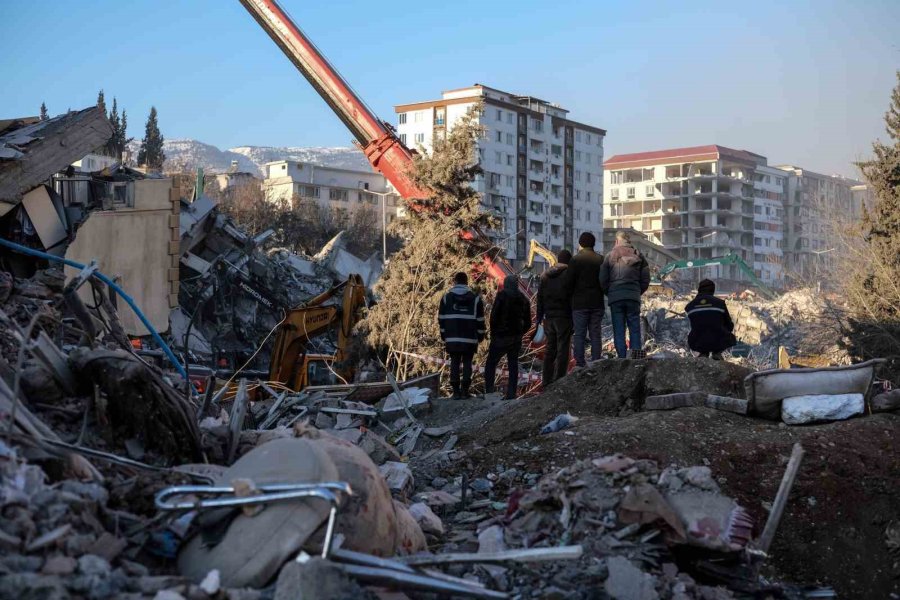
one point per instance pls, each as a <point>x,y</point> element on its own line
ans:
<point>510,320</point>
<point>712,330</point>
<point>461,319</point>
<point>554,309</point>
<point>587,297</point>
<point>625,276</point>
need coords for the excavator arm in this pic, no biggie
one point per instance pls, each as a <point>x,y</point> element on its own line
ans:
<point>311,320</point>
<point>729,259</point>
<point>536,248</point>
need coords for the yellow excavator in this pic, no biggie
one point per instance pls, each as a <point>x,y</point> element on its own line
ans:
<point>339,308</point>
<point>536,249</point>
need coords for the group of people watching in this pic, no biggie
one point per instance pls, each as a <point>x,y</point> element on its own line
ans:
<point>570,306</point>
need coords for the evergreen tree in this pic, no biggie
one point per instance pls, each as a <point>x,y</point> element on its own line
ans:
<point>873,290</point>
<point>151,152</point>
<point>112,146</point>
<point>101,102</point>
<point>44,115</point>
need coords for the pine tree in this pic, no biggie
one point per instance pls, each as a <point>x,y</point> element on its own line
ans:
<point>112,146</point>
<point>44,115</point>
<point>151,153</point>
<point>101,102</point>
<point>873,290</point>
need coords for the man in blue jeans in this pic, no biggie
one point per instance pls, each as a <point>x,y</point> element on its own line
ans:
<point>625,276</point>
<point>587,298</point>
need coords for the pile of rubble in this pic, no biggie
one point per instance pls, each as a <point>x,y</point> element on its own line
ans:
<point>232,293</point>
<point>798,320</point>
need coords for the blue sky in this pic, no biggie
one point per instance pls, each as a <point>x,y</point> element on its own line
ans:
<point>805,82</point>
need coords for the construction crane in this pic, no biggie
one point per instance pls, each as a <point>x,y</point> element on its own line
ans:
<point>377,139</point>
<point>729,259</point>
<point>339,308</point>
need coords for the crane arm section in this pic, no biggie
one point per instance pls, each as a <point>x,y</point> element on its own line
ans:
<point>382,148</point>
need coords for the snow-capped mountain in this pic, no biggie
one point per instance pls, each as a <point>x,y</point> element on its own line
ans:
<point>187,155</point>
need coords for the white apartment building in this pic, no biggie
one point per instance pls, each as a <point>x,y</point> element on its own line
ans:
<point>543,173</point>
<point>341,189</point>
<point>701,202</point>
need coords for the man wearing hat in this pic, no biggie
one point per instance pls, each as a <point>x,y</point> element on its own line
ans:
<point>510,320</point>
<point>712,330</point>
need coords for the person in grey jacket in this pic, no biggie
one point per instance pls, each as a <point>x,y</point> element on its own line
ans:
<point>625,276</point>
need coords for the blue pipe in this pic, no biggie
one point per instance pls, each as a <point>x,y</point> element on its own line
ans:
<point>171,355</point>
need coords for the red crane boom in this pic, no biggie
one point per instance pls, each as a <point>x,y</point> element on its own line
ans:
<point>382,148</point>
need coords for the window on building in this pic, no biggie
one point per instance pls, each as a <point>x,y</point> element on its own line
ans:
<point>498,157</point>
<point>499,115</point>
<point>418,116</point>
<point>587,157</point>
<point>757,241</point>
<point>587,176</point>
<point>577,175</point>
<point>757,210</point>
<point>650,190</point>
<point>420,138</point>
<point>510,181</point>
<point>613,193</point>
<point>587,138</point>
<point>499,137</point>
<point>401,118</point>
<point>339,195</point>
<point>616,177</point>
<point>578,194</point>
<point>510,140</point>
<point>403,138</point>
<point>587,215</point>
<point>556,210</point>
<point>577,136</point>
<point>537,125</point>
<point>309,191</point>
<point>629,192</point>
<point>578,156</point>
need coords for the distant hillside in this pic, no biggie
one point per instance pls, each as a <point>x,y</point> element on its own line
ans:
<point>187,155</point>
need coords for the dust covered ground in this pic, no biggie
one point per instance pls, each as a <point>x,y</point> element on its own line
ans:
<point>845,498</point>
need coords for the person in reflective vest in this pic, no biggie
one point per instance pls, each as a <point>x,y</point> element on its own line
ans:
<point>461,320</point>
<point>712,330</point>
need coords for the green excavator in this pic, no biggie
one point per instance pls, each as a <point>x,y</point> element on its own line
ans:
<point>729,259</point>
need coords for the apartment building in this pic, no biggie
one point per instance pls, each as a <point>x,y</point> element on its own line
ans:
<point>814,205</point>
<point>543,172</point>
<point>702,202</point>
<point>768,217</point>
<point>342,189</point>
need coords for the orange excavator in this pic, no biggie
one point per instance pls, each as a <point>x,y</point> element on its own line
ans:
<point>294,363</point>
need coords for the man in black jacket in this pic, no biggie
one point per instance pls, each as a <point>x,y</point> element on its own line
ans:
<point>554,309</point>
<point>712,330</point>
<point>625,276</point>
<point>587,297</point>
<point>461,319</point>
<point>510,320</point>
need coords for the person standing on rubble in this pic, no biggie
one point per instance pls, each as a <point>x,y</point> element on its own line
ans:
<point>461,320</point>
<point>587,298</point>
<point>510,320</point>
<point>712,330</point>
<point>625,275</point>
<point>554,310</point>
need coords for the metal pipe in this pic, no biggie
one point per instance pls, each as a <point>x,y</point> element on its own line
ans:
<point>156,337</point>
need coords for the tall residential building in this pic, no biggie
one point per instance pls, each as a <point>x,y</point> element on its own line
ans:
<point>543,173</point>
<point>701,202</point>
<point>341,189</point>
<point>814,204</point>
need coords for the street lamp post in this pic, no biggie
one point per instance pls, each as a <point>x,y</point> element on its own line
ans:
<point>384,196</point>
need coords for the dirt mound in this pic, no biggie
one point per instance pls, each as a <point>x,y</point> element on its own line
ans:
<point>834,528</point>
<point>614,388</point>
